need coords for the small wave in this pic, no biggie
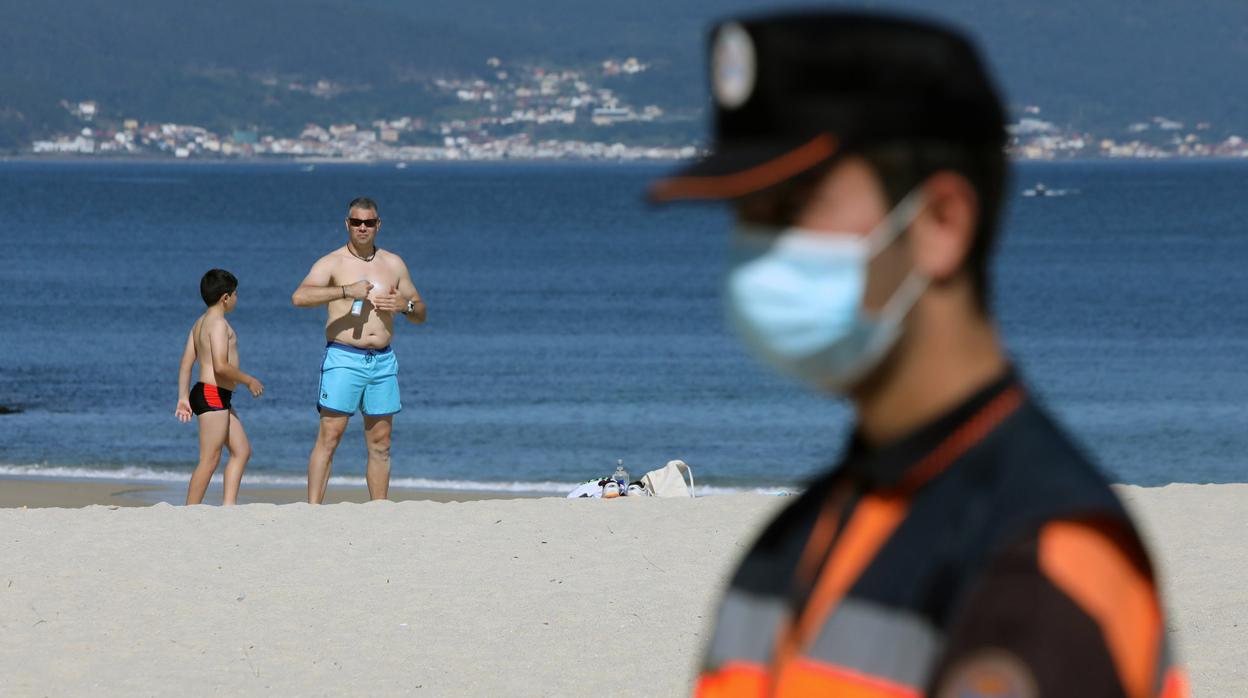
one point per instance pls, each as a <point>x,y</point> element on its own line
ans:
<point>157,475</point>
<point>57,472</point>
<point>142,180</point>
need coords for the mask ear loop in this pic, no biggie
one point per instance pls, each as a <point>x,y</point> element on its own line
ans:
<point>906,295</point>
<point>897,220</point>
<point>898,306</point>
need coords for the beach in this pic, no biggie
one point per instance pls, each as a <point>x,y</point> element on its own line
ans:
<point>539,596</point>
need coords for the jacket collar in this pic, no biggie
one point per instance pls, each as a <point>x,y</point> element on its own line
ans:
<point>886,466</point>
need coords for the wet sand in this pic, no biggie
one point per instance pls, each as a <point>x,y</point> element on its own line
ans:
<point>64,493</point>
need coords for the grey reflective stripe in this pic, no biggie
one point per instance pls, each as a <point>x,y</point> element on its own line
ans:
<point>1165,661</point>
<point>890,643</point>
<point>746,628</point>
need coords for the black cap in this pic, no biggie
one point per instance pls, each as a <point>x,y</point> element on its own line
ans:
<point>792,91</point>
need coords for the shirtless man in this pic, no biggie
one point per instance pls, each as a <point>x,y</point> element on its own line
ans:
<point>212,341</point>
<point>363,287</point>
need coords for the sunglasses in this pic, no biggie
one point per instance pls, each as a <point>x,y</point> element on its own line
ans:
<point>366,222</point>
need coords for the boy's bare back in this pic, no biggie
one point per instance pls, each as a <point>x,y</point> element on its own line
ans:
<point>208,324</point>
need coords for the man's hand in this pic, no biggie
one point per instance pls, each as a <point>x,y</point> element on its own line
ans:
<point>389,300</point>
<point>358,290</point>
<point>183,411</point>
<point>256,387</point>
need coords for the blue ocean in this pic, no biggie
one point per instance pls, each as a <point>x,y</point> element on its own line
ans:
<point>571,325</point>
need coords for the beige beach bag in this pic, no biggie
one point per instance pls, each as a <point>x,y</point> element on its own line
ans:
<point>669,481</point>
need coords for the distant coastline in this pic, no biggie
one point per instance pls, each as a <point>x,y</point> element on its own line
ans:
<point>131,159</point>
<point>315,162</point>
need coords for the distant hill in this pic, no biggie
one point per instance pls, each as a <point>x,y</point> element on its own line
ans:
<point>1097,64</point>
<point>1085,61</point>
<point>191,62</point>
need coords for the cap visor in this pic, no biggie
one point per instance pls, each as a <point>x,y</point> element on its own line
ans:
<point>733,172</point>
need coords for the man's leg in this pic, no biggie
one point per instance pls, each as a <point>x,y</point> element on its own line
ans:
<point>214,429</point>
<point>380,403</point>
<point>240,452</point>
<point>377,436</point>
<point>332,427</point>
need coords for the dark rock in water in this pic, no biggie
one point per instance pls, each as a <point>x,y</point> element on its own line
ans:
<point>9,410</point>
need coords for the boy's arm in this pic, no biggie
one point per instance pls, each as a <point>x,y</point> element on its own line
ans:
<point>219,351</point>
<point>315,289</point>
<point>183,410</point>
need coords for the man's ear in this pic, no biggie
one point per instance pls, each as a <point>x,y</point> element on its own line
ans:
<point>942,234</point>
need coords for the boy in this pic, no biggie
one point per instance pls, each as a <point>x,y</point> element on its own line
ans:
<point>212,341</point>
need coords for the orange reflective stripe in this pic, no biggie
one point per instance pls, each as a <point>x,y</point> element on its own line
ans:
<point>874,520</point>
<point>1175,685</point>
<point>748,181</point>
<point>804,677</point>
<point>1093,569</point>
<point>733,680</point>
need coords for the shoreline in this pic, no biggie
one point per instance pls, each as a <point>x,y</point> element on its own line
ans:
<point>39,492</point>
<point>64,493</point>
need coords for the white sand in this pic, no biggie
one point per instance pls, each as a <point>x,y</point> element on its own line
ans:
<point>1199,540</point>
<point>498,598</point>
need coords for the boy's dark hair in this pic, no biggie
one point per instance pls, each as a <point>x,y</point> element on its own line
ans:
<point>363,202</point>
<point>216,283</point>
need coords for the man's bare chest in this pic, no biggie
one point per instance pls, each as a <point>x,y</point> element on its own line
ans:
<point>349,271</point>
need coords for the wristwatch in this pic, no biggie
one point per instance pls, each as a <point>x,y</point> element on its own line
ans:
<point>411,306</point>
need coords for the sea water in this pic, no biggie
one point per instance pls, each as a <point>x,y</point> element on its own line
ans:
<point>571,325</point>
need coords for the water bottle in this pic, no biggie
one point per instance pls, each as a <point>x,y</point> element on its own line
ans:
<point>621,476</point>
<point>358,306</point>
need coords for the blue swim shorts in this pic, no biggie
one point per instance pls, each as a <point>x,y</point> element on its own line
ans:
<point>359,379</point>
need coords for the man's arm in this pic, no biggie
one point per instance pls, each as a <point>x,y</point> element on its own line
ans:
<point>219,348</point>
<point>315,290</point>
<point>407,292</point>
<point>183,410</point>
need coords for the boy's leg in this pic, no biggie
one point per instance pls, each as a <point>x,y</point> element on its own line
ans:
<point>240,451</point>
<point>332,427</point>
<point>377,436</point>
<point>214,429</point>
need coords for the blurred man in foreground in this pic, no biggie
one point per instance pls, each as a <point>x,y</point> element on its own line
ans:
<point>963,546</point>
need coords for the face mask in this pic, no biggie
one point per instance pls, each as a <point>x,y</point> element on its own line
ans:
<point>796,299</point>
